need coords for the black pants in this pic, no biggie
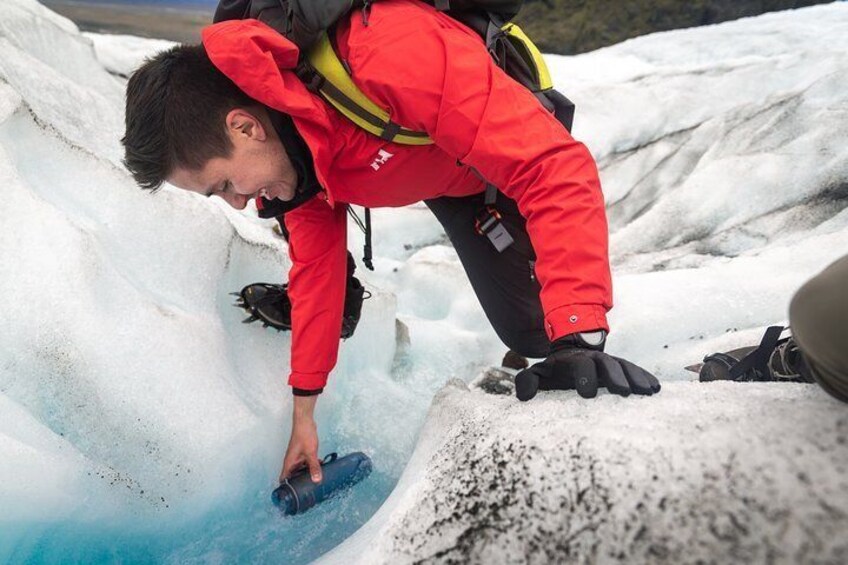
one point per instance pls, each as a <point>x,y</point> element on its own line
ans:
<point>505,282</point>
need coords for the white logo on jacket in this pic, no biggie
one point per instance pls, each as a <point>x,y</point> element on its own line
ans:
<point>381,159</point>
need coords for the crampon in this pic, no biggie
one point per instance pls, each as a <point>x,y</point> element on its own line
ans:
<point>269,304</point>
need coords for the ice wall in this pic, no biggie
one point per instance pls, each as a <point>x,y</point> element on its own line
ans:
<point>737,131</point>
<point>137,414</point>
<point>122,54</point>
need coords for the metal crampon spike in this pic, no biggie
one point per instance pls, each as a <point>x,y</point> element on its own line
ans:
<point>250,319</point>
<point>235,294</point>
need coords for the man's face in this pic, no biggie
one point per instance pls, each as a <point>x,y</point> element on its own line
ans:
<point>257,166</point>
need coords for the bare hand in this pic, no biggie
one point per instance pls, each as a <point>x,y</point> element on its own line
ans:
<point>303,444</point>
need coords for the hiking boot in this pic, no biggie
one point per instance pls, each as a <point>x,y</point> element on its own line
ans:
<point>775,359</point>
<point>269,304</point>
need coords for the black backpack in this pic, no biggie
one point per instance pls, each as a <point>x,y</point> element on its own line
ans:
<point>306,23</point>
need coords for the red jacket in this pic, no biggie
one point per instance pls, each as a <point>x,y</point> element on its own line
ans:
<point>433,74</point>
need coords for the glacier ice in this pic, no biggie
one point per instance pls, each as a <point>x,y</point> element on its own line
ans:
<point>697,474</point>
<point>140,420</point>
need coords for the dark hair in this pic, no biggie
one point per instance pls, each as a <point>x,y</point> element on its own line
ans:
<point>177,103</point>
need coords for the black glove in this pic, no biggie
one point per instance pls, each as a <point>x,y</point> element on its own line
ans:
<point>577,361</point>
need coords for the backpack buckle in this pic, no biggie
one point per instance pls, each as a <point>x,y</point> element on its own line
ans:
<point>488,223</point>
<point>311,79</point>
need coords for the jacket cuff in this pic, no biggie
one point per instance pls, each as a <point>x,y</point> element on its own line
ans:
<point>304,392</point>
<point>575,318</point>
<point>308,381</point>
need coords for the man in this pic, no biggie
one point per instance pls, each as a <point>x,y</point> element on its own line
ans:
<point>231,118</point>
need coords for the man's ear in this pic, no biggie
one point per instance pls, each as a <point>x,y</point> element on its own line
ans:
<point>242,123</point>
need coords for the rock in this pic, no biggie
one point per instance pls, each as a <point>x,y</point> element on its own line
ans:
<point>495,381</point>
<point>513,360</point>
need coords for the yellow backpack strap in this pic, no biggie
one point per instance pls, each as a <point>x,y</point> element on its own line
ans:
<point>326,75</point>
<point>531,54</point>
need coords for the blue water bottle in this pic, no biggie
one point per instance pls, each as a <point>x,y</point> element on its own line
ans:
<point>298,493</point>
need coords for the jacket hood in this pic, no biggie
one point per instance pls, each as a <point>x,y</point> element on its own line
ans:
<point>262,63</point>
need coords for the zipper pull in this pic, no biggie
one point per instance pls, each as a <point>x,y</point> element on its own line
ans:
<point>289,20</point>
<point>366,11</point>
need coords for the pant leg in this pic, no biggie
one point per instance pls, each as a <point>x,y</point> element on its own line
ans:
<point>504,283</point>
<point>818,315</point>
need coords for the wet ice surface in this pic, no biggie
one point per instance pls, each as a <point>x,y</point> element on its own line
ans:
<point>140,420</point>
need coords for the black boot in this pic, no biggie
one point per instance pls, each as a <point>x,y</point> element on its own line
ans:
<point>269,303</point>
<point>775,359</point>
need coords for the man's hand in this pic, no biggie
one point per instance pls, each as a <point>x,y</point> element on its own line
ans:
<point>581,365</point>
<point>303,444</point>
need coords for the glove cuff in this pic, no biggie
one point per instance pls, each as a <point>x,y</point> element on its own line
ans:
<point>594,340</point>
